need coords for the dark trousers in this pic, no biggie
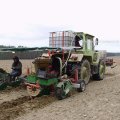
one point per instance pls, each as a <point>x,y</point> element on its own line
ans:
<point>14,74</point>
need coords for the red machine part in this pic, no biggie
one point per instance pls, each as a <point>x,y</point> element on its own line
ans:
<point>109,62</point>
<point>75,79</point>
<point>33,85</point>
<point>33,89</point>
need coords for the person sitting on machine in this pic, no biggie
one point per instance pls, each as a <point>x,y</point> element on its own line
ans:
<point>77,41</point>
<point>16,68</point>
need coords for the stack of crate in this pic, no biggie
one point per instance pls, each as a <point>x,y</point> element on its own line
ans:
<point>61,39</point>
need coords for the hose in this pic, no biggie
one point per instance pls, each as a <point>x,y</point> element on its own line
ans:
<point>68,54</point>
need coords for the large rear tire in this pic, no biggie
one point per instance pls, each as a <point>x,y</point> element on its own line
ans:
<point>85,71</point>
<point>101,71</point>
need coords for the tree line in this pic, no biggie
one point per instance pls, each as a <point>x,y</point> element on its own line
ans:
<point>21,55</point>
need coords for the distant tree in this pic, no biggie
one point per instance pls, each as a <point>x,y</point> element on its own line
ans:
<point>4,46</point>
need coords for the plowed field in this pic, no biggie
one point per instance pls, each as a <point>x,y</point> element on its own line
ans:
<point>100,101</point>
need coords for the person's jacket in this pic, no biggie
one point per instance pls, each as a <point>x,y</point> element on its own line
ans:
<point>17,67</point>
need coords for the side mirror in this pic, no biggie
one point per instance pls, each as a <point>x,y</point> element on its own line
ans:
<point>96,41</point>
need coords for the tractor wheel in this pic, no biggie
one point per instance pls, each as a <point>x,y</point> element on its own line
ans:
<point>60,94</point>
<point>82,86</point>
<point>85,71</point>
<point>101,71</point>
<point>33,92</point>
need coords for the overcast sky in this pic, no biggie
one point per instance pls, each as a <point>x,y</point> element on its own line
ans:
<point>28,22</point>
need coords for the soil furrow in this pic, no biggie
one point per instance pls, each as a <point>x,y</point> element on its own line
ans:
<point>11,109</point>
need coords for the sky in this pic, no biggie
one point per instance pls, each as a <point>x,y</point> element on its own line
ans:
<point>28,22</point>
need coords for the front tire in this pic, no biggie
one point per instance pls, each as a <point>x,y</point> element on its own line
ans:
<point>82,86</point>
<point>60,94</point>
<point>85,71</point>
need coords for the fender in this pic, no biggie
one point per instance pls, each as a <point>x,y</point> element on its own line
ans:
<point>76,57</point>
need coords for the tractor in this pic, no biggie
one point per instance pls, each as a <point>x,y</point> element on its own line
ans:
<point>69,66</point>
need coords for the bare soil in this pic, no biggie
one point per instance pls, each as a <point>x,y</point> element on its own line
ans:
<point>6,64</point>
<point>100,101</point>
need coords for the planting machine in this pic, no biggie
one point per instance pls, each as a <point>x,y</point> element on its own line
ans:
<point>68,66</point>
<point>110,63</point>
<point>7,80</point>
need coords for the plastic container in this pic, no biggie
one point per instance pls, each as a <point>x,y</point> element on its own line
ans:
<point>61,39</point>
